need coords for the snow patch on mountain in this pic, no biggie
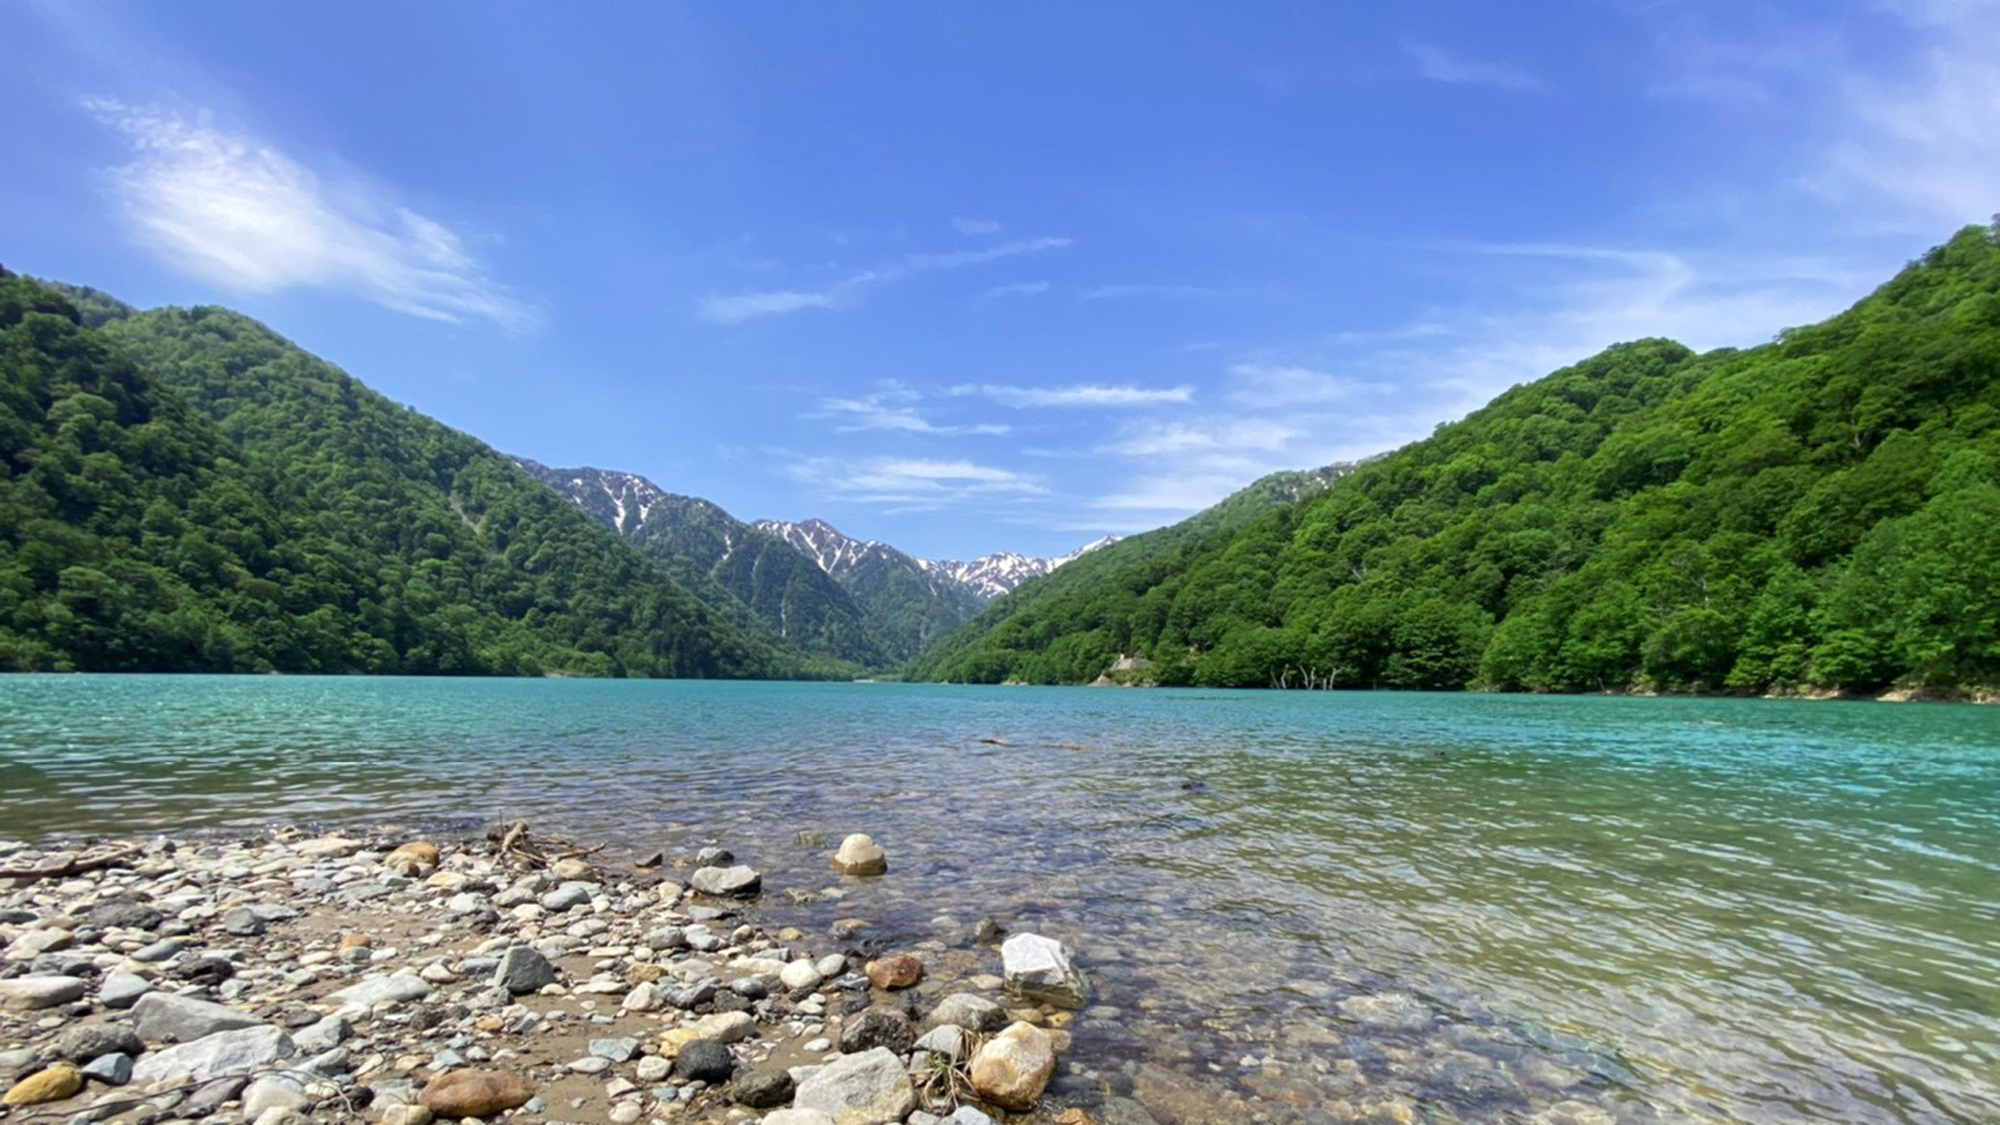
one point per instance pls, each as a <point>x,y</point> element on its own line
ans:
<point>989,577</point>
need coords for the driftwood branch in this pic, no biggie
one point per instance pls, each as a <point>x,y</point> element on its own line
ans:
<point>77,866</point>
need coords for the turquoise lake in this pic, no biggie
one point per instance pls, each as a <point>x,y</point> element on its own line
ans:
<point>1493,908</point>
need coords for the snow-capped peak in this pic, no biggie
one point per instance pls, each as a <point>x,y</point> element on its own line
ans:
<point>1000,573</point>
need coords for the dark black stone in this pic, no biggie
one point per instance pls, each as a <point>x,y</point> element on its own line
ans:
<point>878,1027</point>
<point>704,1060</point>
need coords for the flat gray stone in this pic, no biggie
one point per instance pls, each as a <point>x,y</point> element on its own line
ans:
<point>870,1086</point>
<point>33,993</point>
<point>523,970</point>
<point>274,1091</point>
<point>566,897</point>
<point>112,1070</point>
<point>241,1051</point>
<point>323,1034</point>
<point>617,1050</point>
<point>392,989</point>
<point>122,990</point>
<point>727,882</point>
<point>966,1010</point>
<point>163,1017</point>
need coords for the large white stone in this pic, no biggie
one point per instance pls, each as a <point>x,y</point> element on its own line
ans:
<point>860,855</point>
<point>1040,968</point>
<point>163,1017</point>
<point>241,1051</point>
<point>41,992</point>
<point>394,988</point>
<point>867,1088</point>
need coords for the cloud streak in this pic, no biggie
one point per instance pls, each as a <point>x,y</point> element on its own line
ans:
<point>739,307</point>
<point>909,483</point>
<point>235,211</point>
<point>881,412</point>
<point>1438,65</point>
<point>1085,394</point>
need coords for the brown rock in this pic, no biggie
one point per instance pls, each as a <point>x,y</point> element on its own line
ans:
<point>1075,1117</point>
<point>848,927</point>
<point>891,973</point>
<point>1012,1069</point>
<point>475,1093</point>
<point>412,859</point>
<point>52,1085</point>
<point>356,941</point>
<point>643,971</point>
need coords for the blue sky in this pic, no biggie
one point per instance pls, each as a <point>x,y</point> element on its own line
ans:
<point>965,277</point>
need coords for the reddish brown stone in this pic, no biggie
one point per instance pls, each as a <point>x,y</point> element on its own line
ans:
<point>475,1093</point>
<point>891,973</point>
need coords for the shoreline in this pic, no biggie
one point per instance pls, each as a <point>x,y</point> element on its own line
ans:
<point>350,972</point>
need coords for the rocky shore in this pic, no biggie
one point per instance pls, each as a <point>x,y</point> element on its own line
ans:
<point>382,978</point>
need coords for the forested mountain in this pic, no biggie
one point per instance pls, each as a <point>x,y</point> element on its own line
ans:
<point>1819,512</point>
<point>744,573</point>
<point>1001,643</point>
<point>903,595</point>
<point>183,490</point>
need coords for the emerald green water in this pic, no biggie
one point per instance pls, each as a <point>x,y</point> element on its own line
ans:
<point>1648,909</point>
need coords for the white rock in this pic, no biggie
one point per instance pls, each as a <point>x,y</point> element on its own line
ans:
<point>30,993</point>
<point>866,1088</point>
<point>1039,968</point>
<point>799,974</point>
<point>226,1052</point>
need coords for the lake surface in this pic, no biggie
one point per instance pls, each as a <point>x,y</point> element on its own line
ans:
<point>1303,907</point>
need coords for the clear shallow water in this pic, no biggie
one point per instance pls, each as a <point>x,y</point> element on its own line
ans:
<point>1659,910</point>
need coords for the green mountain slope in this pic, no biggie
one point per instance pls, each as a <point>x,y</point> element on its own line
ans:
<point>747,575</point>
<point>1070,624</point>
<point>182,490</point>
<point>1819,512</point>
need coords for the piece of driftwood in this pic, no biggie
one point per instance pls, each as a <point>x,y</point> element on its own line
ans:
<point>520,845</point>
<point>77,866</point>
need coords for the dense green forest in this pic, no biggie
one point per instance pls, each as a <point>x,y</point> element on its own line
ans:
<point>1822,512</point>
<point>183,490</point>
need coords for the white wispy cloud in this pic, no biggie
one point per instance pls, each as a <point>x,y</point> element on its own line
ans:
<point>236,211</point>
<point>971,227</point>
<point>1440,65</point>
<point>1163,439</point>
<point>736,308</point>
<point>1017,289</point>
<point>1168,292</point>
<point>1920,153</point>
<point>1084,394</point>
<point>910,484</point>
<point>739,307</point>
<point>1274,385</point>
<point>892,411</point>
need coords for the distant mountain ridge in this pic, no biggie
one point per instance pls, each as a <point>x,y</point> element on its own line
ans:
<point>807,583</point>
<point>988,577</point>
